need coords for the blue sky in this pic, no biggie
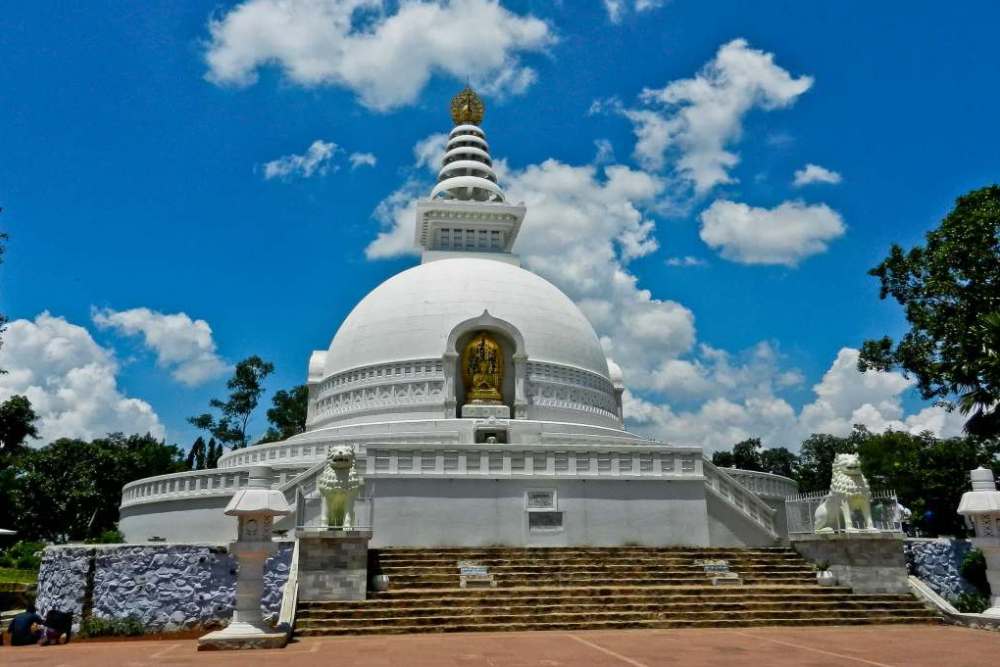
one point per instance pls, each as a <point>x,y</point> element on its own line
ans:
<point>135,139</point>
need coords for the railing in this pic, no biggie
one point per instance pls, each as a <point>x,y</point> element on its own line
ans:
<point>364,515</point>
<point>290,596</point>
<point>764,484</point>
<point>885,510</point>
<point>515,460</point>
<point>214,482</point>
<point>728,488</point>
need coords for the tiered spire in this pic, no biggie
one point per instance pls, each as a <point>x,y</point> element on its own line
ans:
<point>467,169</point>
<point>467,213</point>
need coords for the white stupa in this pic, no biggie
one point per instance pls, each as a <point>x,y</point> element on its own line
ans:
<point>481,407</point>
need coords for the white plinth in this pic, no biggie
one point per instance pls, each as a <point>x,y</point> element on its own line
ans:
<point>238,635</point>
<point>485,411</point>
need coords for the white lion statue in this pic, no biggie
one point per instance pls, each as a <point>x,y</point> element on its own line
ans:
<point>340,485</point>
<point>849,494</point>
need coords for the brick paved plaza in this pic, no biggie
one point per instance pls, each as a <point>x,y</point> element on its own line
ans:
<point>878,646</point>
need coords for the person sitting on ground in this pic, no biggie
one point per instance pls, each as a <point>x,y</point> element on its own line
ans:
<point>26,628</point>
<point>58,626</point>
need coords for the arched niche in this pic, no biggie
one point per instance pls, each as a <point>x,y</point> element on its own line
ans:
<point>515,363</point>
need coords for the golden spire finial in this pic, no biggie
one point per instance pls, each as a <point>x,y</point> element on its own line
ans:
<point>467,108</point>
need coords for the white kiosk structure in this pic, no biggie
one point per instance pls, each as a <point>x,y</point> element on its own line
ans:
<point>981,509</point>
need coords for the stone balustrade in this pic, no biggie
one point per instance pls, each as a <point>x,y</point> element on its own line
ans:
<point>216,482</point>
<point>730,488</point>
<point>485,460</point>
<point>764,484</point>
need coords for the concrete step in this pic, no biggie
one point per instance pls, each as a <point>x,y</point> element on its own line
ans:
<point>504,618</point>
<point>587,553</point>
<point>703,589</point>
<point>731,596</point>
<point>841,607</point>
<point>608,624</point>
<point>449,559</point>
<point>616,568</point>
<point>573,588</point>
<point>651,579</point>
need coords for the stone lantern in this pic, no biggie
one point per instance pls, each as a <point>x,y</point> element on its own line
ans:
<point>981,509</point>
<point>255,506</point>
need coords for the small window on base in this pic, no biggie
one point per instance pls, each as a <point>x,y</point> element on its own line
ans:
<point>545,521</point>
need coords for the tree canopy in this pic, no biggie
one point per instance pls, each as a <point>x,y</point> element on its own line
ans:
<point>750,454</point>
<point>949,289</point>
<point>246,386</point>
<point>71,489</point>
<point>288,414</point>
<point>17,424</point>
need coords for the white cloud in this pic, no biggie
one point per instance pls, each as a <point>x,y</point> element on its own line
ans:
<point>397,215</point>
<point>429,151</point>
<point>739,401</point>
<point>813,173</point>
<point>362,160</point>
<point>70,380</point>
<point>686,260</point>
<point>786,234</point>
<point>605,152</point>
<point>694,121</point>
<point>384,53</point>
<point>316,160</point>
<point>845,397</point>
<point>181,344</point>
<point>616,9</point>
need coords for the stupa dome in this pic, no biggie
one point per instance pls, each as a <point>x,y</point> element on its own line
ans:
<point>411,315</point>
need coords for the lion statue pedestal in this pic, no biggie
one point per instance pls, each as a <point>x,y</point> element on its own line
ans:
<point>845,541</point>
<point>849,496</point>
<point>333,559</point>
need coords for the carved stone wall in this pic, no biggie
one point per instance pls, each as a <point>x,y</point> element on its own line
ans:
<point>168,587</point>
<point>938,562</point>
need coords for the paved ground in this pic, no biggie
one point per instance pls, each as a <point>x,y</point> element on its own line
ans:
<point>902,646</point>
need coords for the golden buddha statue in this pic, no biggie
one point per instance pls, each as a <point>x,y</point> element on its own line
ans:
<point>467,108</point>
<point>482,369</point>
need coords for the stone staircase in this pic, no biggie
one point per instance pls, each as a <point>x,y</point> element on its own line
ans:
<point>598,588</point>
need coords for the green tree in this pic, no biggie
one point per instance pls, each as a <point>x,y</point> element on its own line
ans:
<point>816,459</point>
<point>950,292</point>
<point>723,459</point>
<point>928,474</point>
<point>746,454</point>
<point>288,416</point>
<point>71,489</point>
<point>779,461</point>
<point>17,424</point>
<point>196,455</point>
<point>212,454</point>
<point>749,454</point>
<point>245,389</point>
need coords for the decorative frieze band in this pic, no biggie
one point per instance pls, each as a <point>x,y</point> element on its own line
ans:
<point>377,388</point>
<point>556,386</point>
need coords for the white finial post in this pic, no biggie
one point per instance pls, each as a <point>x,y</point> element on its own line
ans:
<point>981,508</point>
